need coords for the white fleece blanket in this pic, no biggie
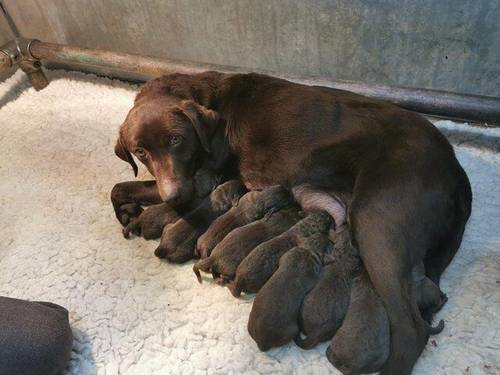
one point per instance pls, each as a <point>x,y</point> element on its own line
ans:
<point>134,314</point>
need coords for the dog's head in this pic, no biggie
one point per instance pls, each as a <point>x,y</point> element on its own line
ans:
<point>169,136</point>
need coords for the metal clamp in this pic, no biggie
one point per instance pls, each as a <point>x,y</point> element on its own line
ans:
<point>18,51</point>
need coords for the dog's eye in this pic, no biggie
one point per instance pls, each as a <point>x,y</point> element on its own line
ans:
<point>141,154</point>
<point>174,140</point>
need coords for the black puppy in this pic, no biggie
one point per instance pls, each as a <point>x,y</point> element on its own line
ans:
<point>262,262</point>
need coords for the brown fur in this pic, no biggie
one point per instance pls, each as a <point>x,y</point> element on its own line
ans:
<point>262,262</point>
<point>179,239</point>
<point>362,343</point>
<point>251,207</point>
<point>273,318</point>
<point>229,253</point>
<point>394,162</point>
<point>325,306</point>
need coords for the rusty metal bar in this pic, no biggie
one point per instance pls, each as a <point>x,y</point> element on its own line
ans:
<point>467,107</point>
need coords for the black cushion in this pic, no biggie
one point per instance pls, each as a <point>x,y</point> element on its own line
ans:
<point>35,337</point>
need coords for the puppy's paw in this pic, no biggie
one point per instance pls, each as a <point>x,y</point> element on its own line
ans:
<point>151,222</point>
<point>127,212</point>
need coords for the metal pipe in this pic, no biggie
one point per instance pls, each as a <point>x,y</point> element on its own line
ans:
<point>467,107</point>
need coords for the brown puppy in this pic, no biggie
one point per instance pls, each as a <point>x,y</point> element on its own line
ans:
<point>179,239</point>
<point>251,207</point>
<point>324,308</point>
<point>362,343</point>
<point>150,222</point>
<point>273,319</point>
<point>229,253</point>
<point>262,262</point>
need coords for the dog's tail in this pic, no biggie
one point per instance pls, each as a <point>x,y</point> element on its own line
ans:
<point>437,329</point>
<point>306,343</point>
<point>204,265</point>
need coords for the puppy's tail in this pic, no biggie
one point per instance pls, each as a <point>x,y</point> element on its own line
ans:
<point>437,329</point>
<point>306,343</point>
<point>204,265</point>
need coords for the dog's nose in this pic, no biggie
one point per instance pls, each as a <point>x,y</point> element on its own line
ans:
<point>169,191</point>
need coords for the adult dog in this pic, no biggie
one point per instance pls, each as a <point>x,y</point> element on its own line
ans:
<point>410,201</point>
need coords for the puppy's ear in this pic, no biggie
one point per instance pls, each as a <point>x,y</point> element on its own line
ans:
<point>122,152</point>
<point>204,121</point>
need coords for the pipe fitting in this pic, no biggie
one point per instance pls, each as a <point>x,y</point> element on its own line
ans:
<point>17,52</point>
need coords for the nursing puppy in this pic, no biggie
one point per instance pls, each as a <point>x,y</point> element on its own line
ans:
<point>251,207</point>
<point>324,308</point>
<point>362,343</point>
<point>262,262</point>
<point>274,315</point>
<point>150,222</point>
<point>179,239</point>
<point>229,253</point>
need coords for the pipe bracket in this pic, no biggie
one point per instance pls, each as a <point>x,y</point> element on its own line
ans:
<point>19,53</point>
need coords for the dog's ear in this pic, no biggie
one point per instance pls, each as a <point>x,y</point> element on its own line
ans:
<point>204,121</point>
<point>122,152</point>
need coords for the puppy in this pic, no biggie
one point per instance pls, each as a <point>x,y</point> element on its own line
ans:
<point>262,262</point>
<point>179,239</point>
<point>150,222</point>
<point>251,207</point>
<point>229,253</point>
<point>324,308</point>
<point>362,343</point>
<point>275,310</point>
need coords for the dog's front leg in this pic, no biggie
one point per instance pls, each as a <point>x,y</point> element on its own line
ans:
<point>128,197</point>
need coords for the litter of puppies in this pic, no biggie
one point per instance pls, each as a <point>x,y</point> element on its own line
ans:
<point>311,285</point>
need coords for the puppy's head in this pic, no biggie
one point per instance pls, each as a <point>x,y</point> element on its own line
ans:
<point>169,136</point>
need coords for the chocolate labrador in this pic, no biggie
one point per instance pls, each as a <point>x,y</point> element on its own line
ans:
<point>313,140</point>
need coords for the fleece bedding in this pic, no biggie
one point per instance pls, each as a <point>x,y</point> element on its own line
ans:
<point>134,314</point>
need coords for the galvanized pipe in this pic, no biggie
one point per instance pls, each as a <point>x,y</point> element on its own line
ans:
<point>467,107</point>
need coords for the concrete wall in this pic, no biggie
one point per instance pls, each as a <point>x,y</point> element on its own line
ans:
<point>442,44</point>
